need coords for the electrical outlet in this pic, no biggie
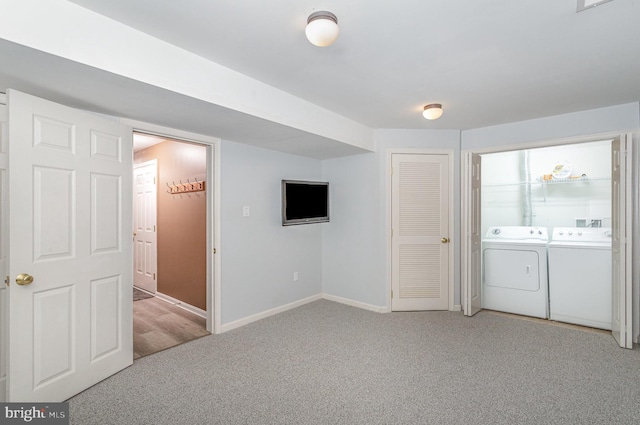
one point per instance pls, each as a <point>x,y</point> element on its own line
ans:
<point>295,276</point>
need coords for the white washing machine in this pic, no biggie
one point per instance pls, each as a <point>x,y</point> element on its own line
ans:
<point>580,276</point>
<point>514,260</point>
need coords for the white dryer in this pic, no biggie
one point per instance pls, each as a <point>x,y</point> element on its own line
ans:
<point>514,262</point>
<point>580,276</point>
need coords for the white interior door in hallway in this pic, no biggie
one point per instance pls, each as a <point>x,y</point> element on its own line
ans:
<point>145,249</point>
<point>420,232</point>
<point>70,300</point>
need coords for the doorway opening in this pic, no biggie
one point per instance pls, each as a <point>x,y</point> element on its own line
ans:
<point>546,228</point>
<point>622,217</point>
<point>170,242</point>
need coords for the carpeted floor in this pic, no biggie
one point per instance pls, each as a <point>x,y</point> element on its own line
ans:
<point>327,363</point>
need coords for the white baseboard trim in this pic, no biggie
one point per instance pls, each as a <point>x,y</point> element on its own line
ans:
<point>358,304</point>
<point>192,309</point>
<point>263,315</point>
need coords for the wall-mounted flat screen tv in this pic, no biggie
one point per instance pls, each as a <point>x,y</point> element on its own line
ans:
<point>304,202</point>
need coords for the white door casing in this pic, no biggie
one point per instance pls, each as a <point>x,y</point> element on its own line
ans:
<point>70,228</point>
<point>214,289</point>
<point>145,246</point>
<point>621,220</point>
<point>472,238</point>
<point>4,247</point>
<point>420,232</point>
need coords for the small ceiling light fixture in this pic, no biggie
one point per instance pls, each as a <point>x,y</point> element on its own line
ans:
<point>432,111</point>
<point>322,28</point>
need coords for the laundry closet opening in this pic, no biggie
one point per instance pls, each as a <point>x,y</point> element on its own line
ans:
<point>546,228</point>
<point>170,242</point>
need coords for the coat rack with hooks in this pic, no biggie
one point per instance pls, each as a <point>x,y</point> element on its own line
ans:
<point>189,186</point>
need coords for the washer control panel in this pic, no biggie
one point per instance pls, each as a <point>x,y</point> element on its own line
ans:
<point>582,234</point>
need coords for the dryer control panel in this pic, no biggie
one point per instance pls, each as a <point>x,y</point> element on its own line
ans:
<point>517,233</point>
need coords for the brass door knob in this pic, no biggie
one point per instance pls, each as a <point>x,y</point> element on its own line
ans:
<point>24,279</point>
<point>444,240</point>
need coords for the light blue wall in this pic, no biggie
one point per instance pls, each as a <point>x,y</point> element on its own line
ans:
<point>355,262</point>
<point>348,257</point>
<point>259,255</point>
<point>584,123</point>
<point>354,240</point>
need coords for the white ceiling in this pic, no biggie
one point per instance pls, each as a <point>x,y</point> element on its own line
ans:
<point>488,62</point>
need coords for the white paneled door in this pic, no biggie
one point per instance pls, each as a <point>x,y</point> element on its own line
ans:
<point>420,232</point>
<point>144,226</point>
<point>70,296</point>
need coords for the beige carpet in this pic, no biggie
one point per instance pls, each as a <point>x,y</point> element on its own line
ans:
<point>326,363</point>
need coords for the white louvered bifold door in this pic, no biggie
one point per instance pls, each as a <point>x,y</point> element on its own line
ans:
<point>420,232</point>
<point>621,247</point>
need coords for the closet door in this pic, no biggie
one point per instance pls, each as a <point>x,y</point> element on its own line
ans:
<point>420,232</point>
<point>621,217</point>
<point>472,239</point>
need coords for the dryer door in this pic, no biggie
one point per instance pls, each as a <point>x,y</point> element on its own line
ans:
<point>513,269</point>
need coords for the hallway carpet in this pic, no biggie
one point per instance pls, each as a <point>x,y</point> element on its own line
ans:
<point>327,363</point>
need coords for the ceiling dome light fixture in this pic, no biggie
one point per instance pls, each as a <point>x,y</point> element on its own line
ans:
<point>432,111</point>
<point>322,28</point>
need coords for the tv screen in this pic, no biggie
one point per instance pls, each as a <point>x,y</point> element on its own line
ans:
<point>304,202</point>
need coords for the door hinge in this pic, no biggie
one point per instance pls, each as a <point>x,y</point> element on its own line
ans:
<point>154,227</point>
<point>392,293</point>
<point>154,276</point>
<point>7,280</point>
<point>391,232</point>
